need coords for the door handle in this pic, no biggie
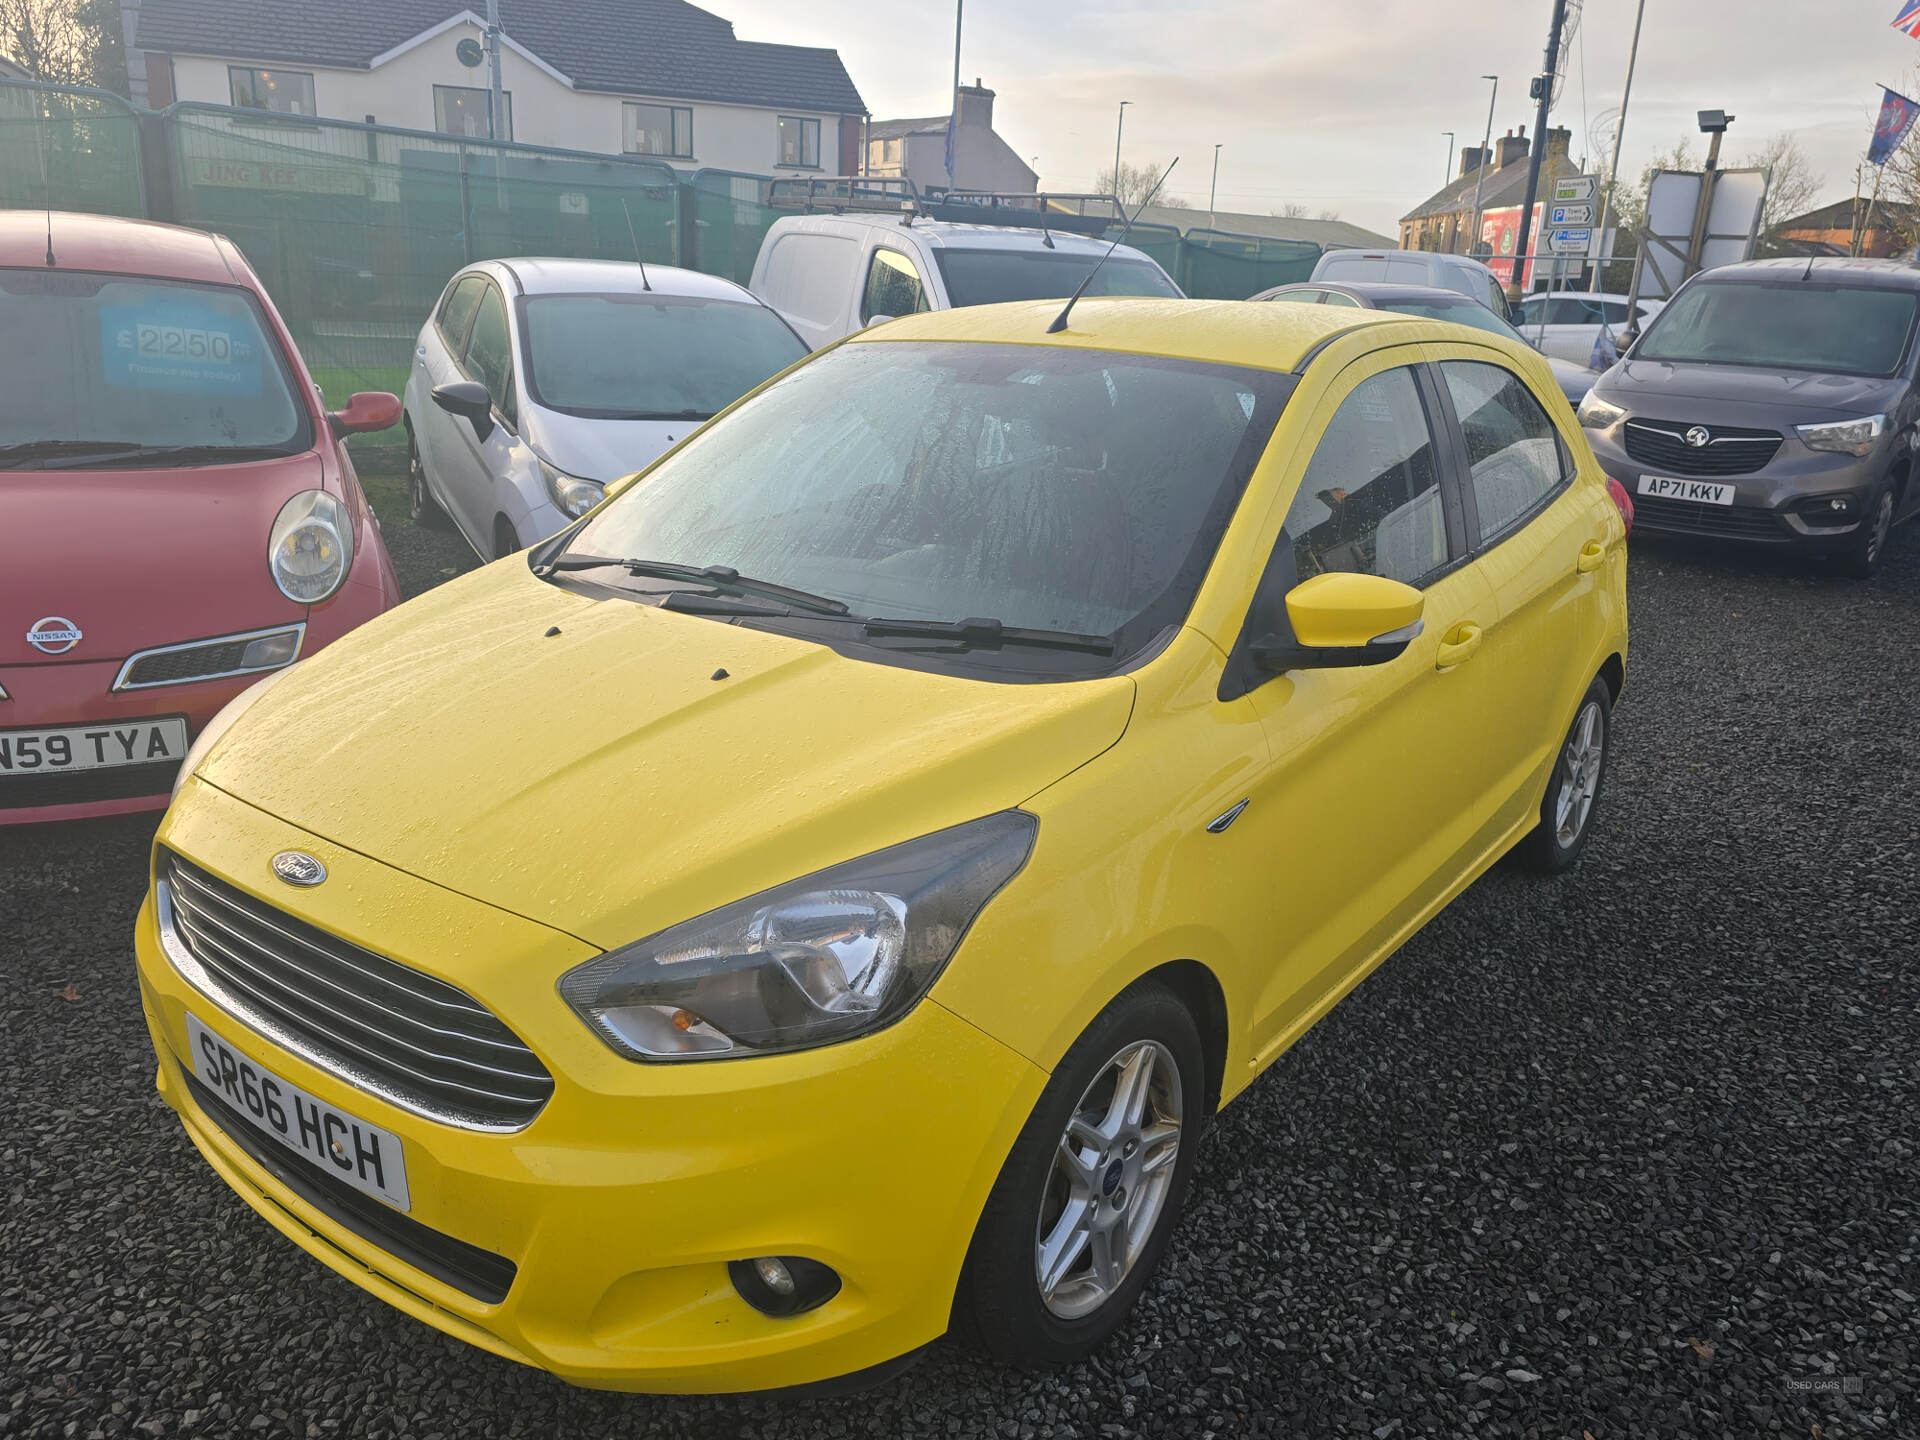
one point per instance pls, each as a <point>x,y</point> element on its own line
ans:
<point>1593,555</point>
<point>1458,646</point>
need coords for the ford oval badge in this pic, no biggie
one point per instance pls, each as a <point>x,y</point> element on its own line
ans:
<point>296,867</point>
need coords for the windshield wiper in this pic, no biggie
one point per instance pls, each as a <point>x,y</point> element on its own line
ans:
<point>31,450</point>
<point>721,577</point>
<point>978,634</point>
<point>111,454</point>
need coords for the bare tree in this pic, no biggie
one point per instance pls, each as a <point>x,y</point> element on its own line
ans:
<point>1292,210</point>
<point>1134,184</point>
<point>1330,214</point>
<point>65,42</point>
<point>1792,186</point>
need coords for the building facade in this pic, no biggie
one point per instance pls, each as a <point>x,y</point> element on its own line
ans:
<point>658,78</point>
<point>1490,180</point>
<point>916,150</point>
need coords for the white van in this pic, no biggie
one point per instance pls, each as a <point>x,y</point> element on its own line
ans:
<point>1460,273</point>
<point>829,275</point>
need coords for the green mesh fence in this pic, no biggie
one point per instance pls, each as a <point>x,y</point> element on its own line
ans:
<point>1222,266</point>
<point>731,218</point>
<point>355,229</point>
<point>69,150</point>
<point>1162,242</point>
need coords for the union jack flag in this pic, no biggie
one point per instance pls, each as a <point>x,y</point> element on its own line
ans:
<point>1908,20</point>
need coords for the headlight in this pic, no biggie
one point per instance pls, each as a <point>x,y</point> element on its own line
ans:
<point>1848,437</point>
<point>310,548</point>
<point>1597,414</point>
<point>222,722</point>
<point>835,954</point>
<point>570,492</point>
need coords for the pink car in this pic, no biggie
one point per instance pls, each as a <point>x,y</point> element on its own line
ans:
<point>178,515</point>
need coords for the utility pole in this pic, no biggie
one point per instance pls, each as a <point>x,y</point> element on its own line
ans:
<point>1516,286</point>
<point>496,106</point>
<point>1446,176</point>
<point>1619,135</point>
<point>1213,192</point>
<point>1117,129</point>
<point>1480,175</point>
<point>953,123</point>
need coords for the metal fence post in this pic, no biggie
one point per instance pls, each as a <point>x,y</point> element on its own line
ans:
<point>466,210</point>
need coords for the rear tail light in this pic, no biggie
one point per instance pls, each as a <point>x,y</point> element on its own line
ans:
<point>1622,501</point>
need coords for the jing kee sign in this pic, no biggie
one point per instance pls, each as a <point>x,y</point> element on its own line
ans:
<point>275,175</point>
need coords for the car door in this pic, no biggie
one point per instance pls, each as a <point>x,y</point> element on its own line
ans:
<point>1372,807</point>
<point>436,361</point>
<point>1550,549</point>
<point>476,468</point>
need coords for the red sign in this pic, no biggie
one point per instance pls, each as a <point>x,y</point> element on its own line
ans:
<point>1500,233</point>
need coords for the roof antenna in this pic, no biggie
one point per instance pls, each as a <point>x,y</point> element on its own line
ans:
<point>645,284</point>
<point>1060,320</point>
<point>1807,274</point>
<point>46,187</point>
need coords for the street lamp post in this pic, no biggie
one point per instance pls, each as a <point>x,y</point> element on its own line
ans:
<point>1446,176</point>
<point>1480,175</point>
<point>1213,192</point>
<point>1118,128</point>
<point>1619,134</point>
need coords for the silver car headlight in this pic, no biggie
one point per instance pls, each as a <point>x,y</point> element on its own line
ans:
<point>572,494</point>
<point>1597,414</point>
<point>310,548</point>
<point>835,954</point>
<point>1846,437</point>
<point>222,722</point>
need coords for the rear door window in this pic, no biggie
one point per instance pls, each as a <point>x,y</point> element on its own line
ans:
<point>456,311</point>
<point>1514,456</point>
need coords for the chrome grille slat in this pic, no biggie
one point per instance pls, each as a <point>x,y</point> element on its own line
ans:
<point>417,1041</point>
<point>281,969</point>
<point>398,987</point>
<point>293,1006</point>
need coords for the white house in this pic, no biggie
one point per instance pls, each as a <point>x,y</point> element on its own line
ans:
<point>916,150</point>
<point>659,78</point>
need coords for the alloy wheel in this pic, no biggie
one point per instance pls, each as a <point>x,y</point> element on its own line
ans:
<point>1580,774</point>
<point>1111,1175</point>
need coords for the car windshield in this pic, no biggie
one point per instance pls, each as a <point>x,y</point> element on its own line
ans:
<point>650,356</point>
<point>1459,312</point>
<point>1790,325</point>
<point>116,363</point>
<point>986,277</point>
<point>1046,488</point>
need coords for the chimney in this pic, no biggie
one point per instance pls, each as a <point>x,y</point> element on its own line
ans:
<point>1512,147</point>
<point>976,105</point>
<point>1559,139</point>
<point>1472,158</point>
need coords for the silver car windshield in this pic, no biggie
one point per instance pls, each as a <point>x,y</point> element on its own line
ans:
<point>1046,487</point>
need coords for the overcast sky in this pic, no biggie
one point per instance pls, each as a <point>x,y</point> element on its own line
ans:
<point>1341,106</point>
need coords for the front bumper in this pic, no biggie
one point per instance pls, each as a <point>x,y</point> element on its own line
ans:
<point>1768,506</point>
<point>621,1203</point>
<point>82,693</point>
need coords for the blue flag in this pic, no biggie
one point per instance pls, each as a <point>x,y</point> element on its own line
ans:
<point>1897,114</point>
<point>953,179</point>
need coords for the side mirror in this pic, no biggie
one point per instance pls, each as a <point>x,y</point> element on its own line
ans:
<point>625,482</point>
<point>468,399</point>
<point>873,320</point>
<point>367,411</point>
<point>1342,620</point>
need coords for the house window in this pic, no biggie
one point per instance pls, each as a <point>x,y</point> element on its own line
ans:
<point>462,110</point>
<point>290,92</point>
<point>659,130</point>
<point>799,142</point>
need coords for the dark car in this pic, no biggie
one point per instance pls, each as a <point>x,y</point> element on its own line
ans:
<point>1435,304</point>
<point>1773,403</point>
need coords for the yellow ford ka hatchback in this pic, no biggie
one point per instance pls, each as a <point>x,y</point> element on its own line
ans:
<point>816,900</point>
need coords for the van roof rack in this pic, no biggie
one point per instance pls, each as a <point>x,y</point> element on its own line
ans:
<point>886,195</point>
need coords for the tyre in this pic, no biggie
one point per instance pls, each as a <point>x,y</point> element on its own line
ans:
<point>505,541</point>
<point>1088,1198</point>
<point>422,508</point>
<point>1864,557</point>
<point>1555,845</point>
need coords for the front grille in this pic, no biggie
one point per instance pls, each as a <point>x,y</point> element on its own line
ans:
<point>1731,451</point>
<point>83,787</point>
<point>1690,517</point>
<point>402,1035</point>
<point>467,1268</point>
<point>165,667</point>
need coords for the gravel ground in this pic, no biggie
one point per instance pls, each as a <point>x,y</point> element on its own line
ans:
<point>1632,1154</point>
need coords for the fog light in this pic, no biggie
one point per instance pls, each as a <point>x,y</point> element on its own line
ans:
<point>270,651</point>
<point>782,1285</point>
<point>1827,509</point>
